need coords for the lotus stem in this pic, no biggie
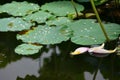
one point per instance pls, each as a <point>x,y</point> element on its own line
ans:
<point>99,20</point>
<point>73,3</point>
<point>117,3</point>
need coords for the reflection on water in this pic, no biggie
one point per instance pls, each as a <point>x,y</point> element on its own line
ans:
<point>53,62</point>
<point>19,68</point>
<point>88,76</point>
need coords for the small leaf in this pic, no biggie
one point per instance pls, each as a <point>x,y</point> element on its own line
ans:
<point>58,21</point>
<point>13,24</point>
<point>27,49</point>
<point>46,35</point>
<point>39,17</point>
<point>19,8</point>
<point>61,8</point>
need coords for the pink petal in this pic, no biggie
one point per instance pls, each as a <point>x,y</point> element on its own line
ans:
<point>102,51</point>
<point>95,48</point>
<point>80,50</point>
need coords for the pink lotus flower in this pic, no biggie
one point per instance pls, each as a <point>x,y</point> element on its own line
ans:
<point>80,50</point>
<point>97,50</point>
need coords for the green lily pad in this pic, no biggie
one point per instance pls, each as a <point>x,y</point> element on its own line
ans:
<point>61,8</point>
<point>27,49</point>
<point>87,32</point>
<point>39,17</point>
<point>19,8</point>
<point>58,21</point>
<point>46,35</point>
<point>13,24</point>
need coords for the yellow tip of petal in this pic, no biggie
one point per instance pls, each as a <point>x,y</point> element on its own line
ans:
<point>75,53</point>
<point>102,46</point>
<point>112,51</point>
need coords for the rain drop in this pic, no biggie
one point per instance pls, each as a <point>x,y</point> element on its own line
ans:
<point>114,33</point>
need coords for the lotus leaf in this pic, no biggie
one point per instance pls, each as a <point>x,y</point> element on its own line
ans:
<point>27,49</point>
<point>39,16</point>
<point>61,8</point>
<point>87,32</point>
<point>58,21</point>
<point>46,35</point>
<point>13,24</point>
<point>19,8</point>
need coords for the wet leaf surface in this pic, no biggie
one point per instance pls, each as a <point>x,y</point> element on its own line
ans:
<point>88,32</point>
<point>39,17</point>
<point>61,8</point>
<point>19,8</point>
<point>46,35</point>
<point>58,21</point>
<point>13,24</point>
<point>27,49</point>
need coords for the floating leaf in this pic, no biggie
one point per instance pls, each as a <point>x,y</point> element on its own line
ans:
<point>58,21</point>
<point>19,8</point>
<point>87,32</point>
<point>27,49</point>
<point>62,8</point>
<point>13,24</point>
<point>46,35</point>
<point>39,17</point>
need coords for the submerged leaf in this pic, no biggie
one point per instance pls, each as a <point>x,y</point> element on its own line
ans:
<point>13,24</point>
<point>27,49</point>
<point>118,50</point>
<point>97,2</point>
<point>19,8</point>
<point>88,32</point>
<point>46,35</point>
<point>39,17</point>
<point>83,0</point>
<point>61,8</point>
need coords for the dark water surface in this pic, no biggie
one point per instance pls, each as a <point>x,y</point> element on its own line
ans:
<point>54,62</point>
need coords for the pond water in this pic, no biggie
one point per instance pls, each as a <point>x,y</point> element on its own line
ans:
<point>54,62</point>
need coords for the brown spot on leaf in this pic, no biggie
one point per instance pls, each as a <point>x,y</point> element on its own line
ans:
<point>23,32</point>
<point>10,24</point>
<point>29,11</point>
